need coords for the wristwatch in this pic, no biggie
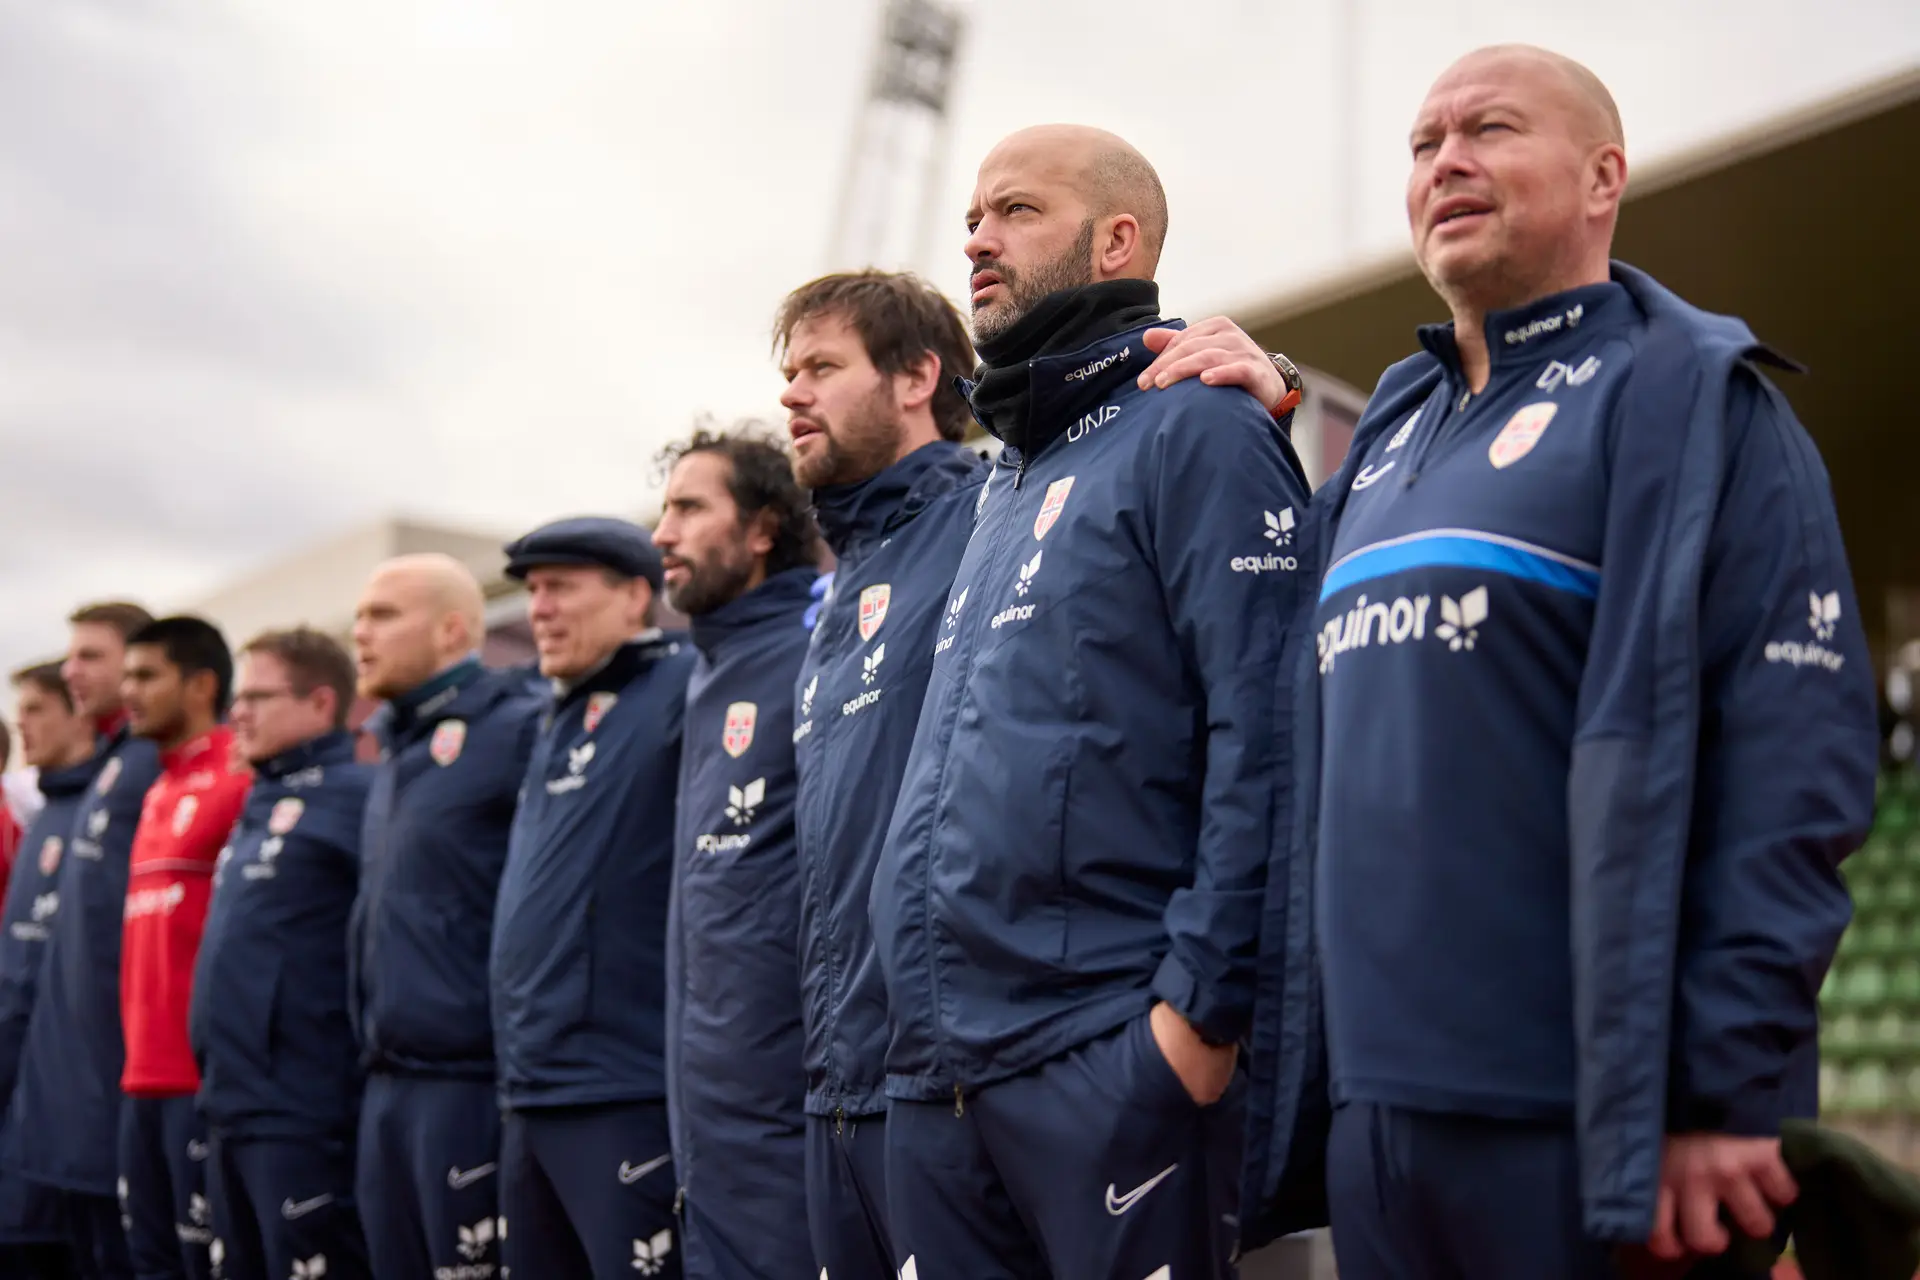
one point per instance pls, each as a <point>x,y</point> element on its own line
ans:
<point>1289,374</point>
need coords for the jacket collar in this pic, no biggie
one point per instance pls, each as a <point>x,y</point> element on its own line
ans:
<point>75,778</point>
<point>327,749</point>
<point>852,516</point>
<point>1538,331</point>
<point>781,599</point>
<point>1076,387</point>
<point>621,666</point>
<point>210,750</point>
<point>459,690</point>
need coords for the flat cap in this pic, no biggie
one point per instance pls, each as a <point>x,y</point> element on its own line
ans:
<point>619,545</point>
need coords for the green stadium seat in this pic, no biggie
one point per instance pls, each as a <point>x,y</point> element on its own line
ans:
<point>1903,985</point>
<point>1900,895</point>
<point>1833,1087</point>
<point>1843,1038</point>
<point>1885,936</point>
<point>1870,1088</point>
<point>1865,986</point>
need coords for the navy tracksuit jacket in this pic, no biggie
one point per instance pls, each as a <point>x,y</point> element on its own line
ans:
<point>433,848</point>
<point>63,1128</point>
<point>1085,827</point>
<point>897,539</point>
<point>579,973</point>
<point>735,1082</point>
<point>27,1211</point>
<point>280,1081</point>
<point>1605,601</point>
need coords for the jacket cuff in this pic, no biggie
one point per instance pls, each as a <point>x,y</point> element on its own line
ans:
<point>1214,1021</point>
<point>1757,1113</point>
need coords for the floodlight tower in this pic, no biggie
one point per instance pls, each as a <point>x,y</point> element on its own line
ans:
<point>885,214</point>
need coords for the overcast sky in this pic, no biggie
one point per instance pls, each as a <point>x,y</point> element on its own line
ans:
<point>274,270</point>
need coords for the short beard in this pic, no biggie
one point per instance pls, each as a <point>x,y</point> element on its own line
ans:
<point>858,447</point>
<point>721,579</point>
<point>1024,289</point>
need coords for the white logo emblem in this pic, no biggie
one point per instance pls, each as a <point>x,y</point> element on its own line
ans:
<point>632,1173</point>
<point>1027,573</point>
<point>650,1256</point>
<point>741,802</point>
<point>909,1270</point>
<point>1823,613</point>
<point>1459,622</point>
<point>1522,432</point>
<point>476,1239</point>
<point>291,1208</point>
<point>196,1149</point>
<point>1823,617</point>
<point>459,1179</point>
<point>1093,421</point>
<point>870,665</point>
<point>598,704</point>
<point>285,815</point>
<point>198,1210</point>
<point>1369,475</point>
<point>1118,1204</point>
<point>1573,375</point>
<point>312,1269</point>
<point>183,814</point>
<point>806,695</point>
<point>959,603</point>
<point>1279,526</point>
<point>97,823</point>
<point>1406,430</point>
<point>1278,531</point>
<point>578,758</point>
<point>1546,324</point>
<point>109,774</point>
<point>45,905</point>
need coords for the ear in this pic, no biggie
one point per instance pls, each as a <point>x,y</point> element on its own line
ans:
<point>325,703</point>
<point>760,532</point>
<point>203,684</point>
<point>1118,252</point>
<point>1607,178</point>
<point>915,388</point>
<point>641,608</point>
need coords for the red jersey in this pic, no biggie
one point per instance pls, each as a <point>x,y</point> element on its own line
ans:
<point>9,843</point>
<point>183,826</point>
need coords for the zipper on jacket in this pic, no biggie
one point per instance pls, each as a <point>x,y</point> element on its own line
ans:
<point>1440,435</point>
<point>839,1121</point>
<point>959,1103</point>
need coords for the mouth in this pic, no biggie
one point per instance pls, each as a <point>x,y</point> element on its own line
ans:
<point>674,571</point>
<point>980,283</point>
<point>803,429</point>
<point>1457,211</point>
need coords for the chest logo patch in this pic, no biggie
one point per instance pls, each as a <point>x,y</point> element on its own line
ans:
<point>50,856</point>
<point>109,774</point>
<point>873,608</point>
<point>183,814</point>
<point>737,736</point>
<point>1522,432</point>
<point>598,705</point>
<point>1051,506</point>
<point>285,814</point>
<point>448,737</point>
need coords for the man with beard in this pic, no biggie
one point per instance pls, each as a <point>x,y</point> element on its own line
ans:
<point>454,741</point>
<point>178,679</point>
<point>1068,905</point>
<point>870,360</point>
<point>281,1087</point>
<point>57,740</point>
<point>579,943</point>
<point>740,551</point>
<point>1640,705</point>
<point>64,1118</point>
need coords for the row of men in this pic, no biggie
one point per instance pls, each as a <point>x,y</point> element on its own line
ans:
<point>1529,974</point>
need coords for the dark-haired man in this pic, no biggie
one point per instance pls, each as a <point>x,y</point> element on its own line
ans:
<point>740,552</point>
<point>64,1117</point>
<point>179,676</point>
<point>579,941</point>
<point>57,740</point>
<point>280,1084</point>
<point>870,360</point>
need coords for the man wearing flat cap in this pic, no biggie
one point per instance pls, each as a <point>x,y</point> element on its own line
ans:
<point>579,940</point>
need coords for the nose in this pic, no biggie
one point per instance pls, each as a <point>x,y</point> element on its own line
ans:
<point>981,247</point>
<point>540,606</point>
<point>796,397</point>
<point>1451,159</point>
<point>666,534</point>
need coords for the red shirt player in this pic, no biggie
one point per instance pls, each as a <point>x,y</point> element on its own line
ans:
<point>178,677</point>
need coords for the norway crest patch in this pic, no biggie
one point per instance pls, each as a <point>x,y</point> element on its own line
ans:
<point>448,737</point>
<point>285,814</point>
<point>738,734</point>
<point>183,814</point>
<point>598,705</point>
<point>873,608</point>
<point>1522,432</point>
<point>50,856</point>
<point>1051,506</point>
<point>109,774</point>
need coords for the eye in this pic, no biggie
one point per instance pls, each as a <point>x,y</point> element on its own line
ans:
<point>1424,145</point>
<point>1490,125</point>
<point>1016,205</point>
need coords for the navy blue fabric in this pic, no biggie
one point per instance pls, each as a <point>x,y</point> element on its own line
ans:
<point>1722,758</point>
<point>163,1189</point>
<point>619,545</point>
<point>579,943</point>
<point>30,1211</point>
<point>269,1017</point>
<point>98,1240</point>
<point>427,1177</point>
<point>285,1209</point>
<point>1098,1164</point>
<point>734,1041</point>
<point>1461,594</point>
<point>588,1192</point>
<point>1421,1196</point>
<point>433,847</point>
<point>64,1121</point>
<point>1089,811</point>
<point>847,1197</point>
<point>41,1261</point>
<point>897,539</point>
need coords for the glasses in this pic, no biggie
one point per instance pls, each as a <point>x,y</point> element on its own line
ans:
<point>260,697</point>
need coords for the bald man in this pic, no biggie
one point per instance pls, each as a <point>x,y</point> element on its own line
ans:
<point>1591,678</point>
<point>1067,909</point>
<point>455,740</point>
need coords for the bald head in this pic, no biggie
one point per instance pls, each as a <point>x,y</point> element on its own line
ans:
<point>418,615</point>
<point>1518,171</point>
<point>1057,206</point>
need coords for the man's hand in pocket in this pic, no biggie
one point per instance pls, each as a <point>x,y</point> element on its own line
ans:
<point>1206,1071</point>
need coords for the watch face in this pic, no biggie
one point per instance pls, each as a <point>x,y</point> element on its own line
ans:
<point>1287,370</point>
